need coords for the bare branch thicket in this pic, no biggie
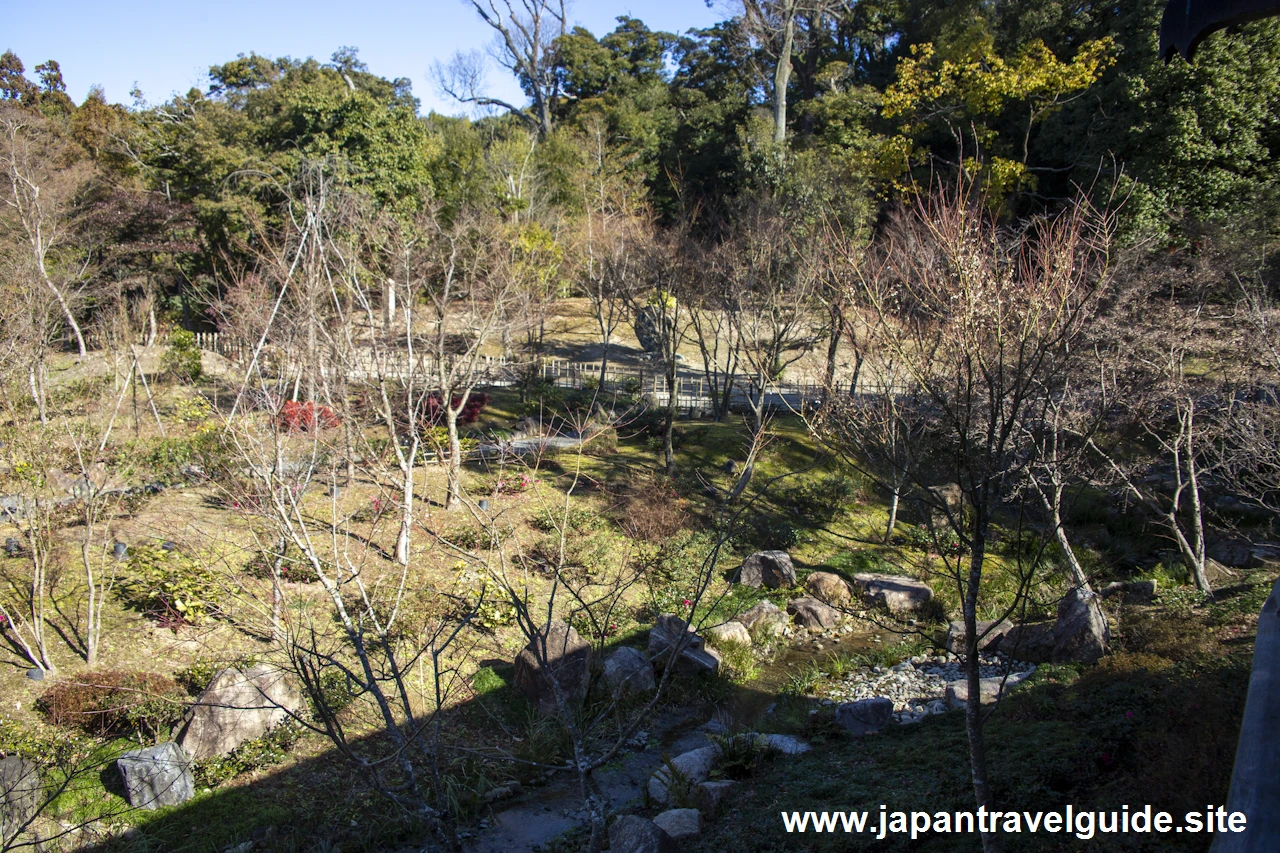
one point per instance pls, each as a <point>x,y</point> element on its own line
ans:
<point>616,229</point>
<point>322,499</point>
<point>982,321</point>
<point>771,294</point>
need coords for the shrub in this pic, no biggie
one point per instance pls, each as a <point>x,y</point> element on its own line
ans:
<point>820,500</point>
<point>296,571</point>
<point>675,570</point>
<point>603,443</point>
<point>654,512</point>
<point>116,703</point>
<point>476,401</point>
<point>306,417</point>
<point>170,586</point>
<point>182,359</point>
<point>251,755</point>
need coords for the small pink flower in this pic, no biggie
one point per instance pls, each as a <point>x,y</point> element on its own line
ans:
<point>687,602</point>
<point>1128,715</point>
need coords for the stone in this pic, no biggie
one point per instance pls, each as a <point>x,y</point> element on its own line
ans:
<point>785,744</point>
<point>993,635</point>
<point>828,588</point>
<point>695,659</point>
<point>989,689</point>
<point>896,594</point>
<point>811,613</point>
<point>764,618</point>
<point>866,716</point>
<point>730,632</point>
<point>666,632</point>
<point>772,569</point>
<point>693,767</point>
<point>633,834</point>
<point>1031,641</point>
<point>680,824</point>
<point>20,794</point>
<point>1081,634</point>
<point>236,707</point>
<point>1235,554</point>
<point>1137,592</point>
<point>628,671</point>
<point>157,776</point>
<point>567,659</point>
<point>709,796</point>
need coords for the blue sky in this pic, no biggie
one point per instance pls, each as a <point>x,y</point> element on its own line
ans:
<point>167,47</point>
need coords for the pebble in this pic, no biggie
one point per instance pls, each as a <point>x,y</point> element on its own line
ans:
<point>916,687</point>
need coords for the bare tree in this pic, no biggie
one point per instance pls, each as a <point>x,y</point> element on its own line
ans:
<point>526,31</point>
<point>41,180</point>
<point>983,321</point>
<point>779,27</point>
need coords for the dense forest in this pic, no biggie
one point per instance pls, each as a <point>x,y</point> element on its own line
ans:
<point>559,477</point>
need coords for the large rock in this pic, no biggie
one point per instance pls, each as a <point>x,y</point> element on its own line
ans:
<point>957,695</point>
<point>772,569</point>
<point>896,594</point>
<point>764,619</point>
<point>785,744</point>
<point>633,834</point>
<point>730,632</point>
<point>1137,592</point>
<point>20,794</point>
<point>628,671</point>
<point>1235,554</point>
<point>692,767</point>
<point>157,776</point>
<point>813,614</point>
<point>708,796</point>
<point>680,824</point>
<point>236,707</point>
<point>989,635</point>
<point>695,659</point>
<point>561,655</point>
<point>829,588</point>
<point>866,716</point>
<point>1081,634</point>
<point>1030,641</point>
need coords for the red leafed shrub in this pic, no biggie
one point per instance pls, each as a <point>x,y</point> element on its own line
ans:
<point>476,402</point>
<point>306,417</point>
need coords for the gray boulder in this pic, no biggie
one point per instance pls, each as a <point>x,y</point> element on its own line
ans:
<point>1081,634</point>
<point>692,767</point>
<point>633,834</point>
<point>989,635</point>
<point>680,824</point>
<point>895,593</point>
<point>730,632</point>
<point>1235,554</point>
<point>709,796</point>
<point>811,613</point>
<point>628,671</point>
<point>157,776</point>
<point>236,707</point>
<point>785,744</point>
<point>866,716</point>
<point>695,659</point>
<point>1138,592</point>
<point>772,569</point>
<point>1030,641</point>
<point>990,689</point>
<point>561,655</point>
<point>20,794</point>
<point>829,588</point>
<point>764,618</point>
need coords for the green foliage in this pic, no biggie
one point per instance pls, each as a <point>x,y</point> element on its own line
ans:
<point>675,571</point>
<point>739,663</point>
<point>266,751</point>
<point>114,703</point>
<point>742,756</point>
<point>820,499</point>
<point>182,358</point>
<point>170,586</point>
